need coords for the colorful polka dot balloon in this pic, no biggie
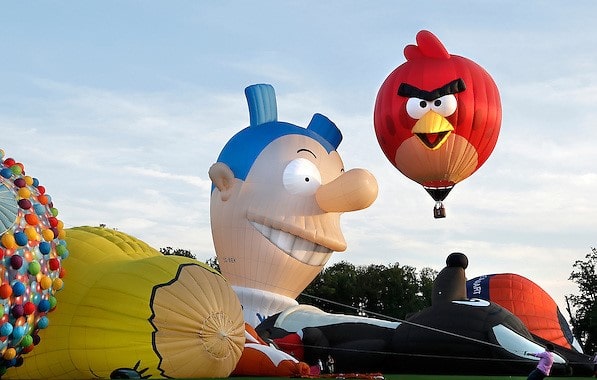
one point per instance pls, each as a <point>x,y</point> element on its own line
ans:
<point>32,247</point>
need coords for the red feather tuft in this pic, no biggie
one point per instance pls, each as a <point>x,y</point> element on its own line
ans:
<point>428,46</point>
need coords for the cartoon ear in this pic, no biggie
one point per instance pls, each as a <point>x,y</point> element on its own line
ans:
<point>223,178</point>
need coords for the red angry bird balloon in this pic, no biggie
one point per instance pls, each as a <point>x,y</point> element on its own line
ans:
<point>437,117</point>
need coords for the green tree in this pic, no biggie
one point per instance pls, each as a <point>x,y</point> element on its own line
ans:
<point>213,263</point>
<point>374,290</point>
<point>333,290</point>
<point>584,320</point>
<point>177,252</point>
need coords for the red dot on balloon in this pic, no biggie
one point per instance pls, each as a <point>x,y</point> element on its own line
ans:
<point>29,308</point>
<point>54,264</point>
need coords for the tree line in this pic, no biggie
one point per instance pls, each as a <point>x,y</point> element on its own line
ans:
<point>391,291</point>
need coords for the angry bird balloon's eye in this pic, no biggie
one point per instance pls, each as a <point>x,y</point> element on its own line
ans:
<point>445,105</point>
<point>301,177</point>
<point>416,107</point>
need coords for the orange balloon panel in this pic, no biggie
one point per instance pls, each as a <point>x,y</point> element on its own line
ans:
<point>525,299</point>
<point>261,359</point>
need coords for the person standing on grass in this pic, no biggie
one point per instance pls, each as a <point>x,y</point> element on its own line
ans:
<point>330,364</point>
<point>545,362</point>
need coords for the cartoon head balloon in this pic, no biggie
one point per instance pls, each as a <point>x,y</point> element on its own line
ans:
<point>31,252</point>
<point>437,117</point>
<point>279,190</point>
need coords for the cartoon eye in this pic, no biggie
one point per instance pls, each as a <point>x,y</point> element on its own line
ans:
<point>416,107</point>
<point>301,177</point>
<point>445,105</point>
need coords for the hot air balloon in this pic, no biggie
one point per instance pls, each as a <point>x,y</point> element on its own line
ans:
<point>31,267</point>
<point>456,335</point>
<point>131,312</point>
<point>529,302</point>
<point>437,117</point>
<point>277,196</point>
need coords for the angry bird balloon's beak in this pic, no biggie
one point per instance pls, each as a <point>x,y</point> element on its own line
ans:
<point>432,130</point>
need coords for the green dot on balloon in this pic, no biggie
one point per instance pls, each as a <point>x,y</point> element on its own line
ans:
<point>16,169</point>
<point>34,267</point>
<point>27,341</point>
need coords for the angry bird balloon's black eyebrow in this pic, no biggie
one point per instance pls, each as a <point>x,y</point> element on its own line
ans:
<point>411,91</point>
<point>306,150</point>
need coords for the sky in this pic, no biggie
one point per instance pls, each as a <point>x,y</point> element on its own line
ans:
<point>119,108</point>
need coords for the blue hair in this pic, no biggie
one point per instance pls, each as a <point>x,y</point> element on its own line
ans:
<point>242,149</point>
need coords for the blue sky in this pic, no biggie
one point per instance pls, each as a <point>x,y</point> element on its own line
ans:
<point>120,107</point>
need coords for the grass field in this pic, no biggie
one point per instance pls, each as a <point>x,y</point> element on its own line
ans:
<point>431,377</point>
<point>434,377</point>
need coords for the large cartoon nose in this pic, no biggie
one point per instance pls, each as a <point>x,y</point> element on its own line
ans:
<point>354,190</point>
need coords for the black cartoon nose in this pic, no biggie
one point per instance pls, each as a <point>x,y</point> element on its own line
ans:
<point>458,260</point>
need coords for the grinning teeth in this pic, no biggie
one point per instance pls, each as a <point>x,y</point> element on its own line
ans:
<point>283,240</point>
<point>303,250</point>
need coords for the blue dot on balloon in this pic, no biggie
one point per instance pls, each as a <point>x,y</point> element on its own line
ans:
<point>43,322</point>
<point>39,209</point>
<point>6,329</point>
<point>21,238</point>
<point>43,306</point>
<point>6,173</point>
<point>18,332</point>
<point>45,247</point>
<point>18,289</point>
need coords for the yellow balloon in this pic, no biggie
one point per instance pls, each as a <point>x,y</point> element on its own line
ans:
<point>9,354</point>
<point>31,233</point>
<point>48,235</point>
<point>61,234</point>
<point>126,306</point>
<point>45,282</point>
<point>24,192</point>
<point>57,284</point>
<point>8,241</point>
